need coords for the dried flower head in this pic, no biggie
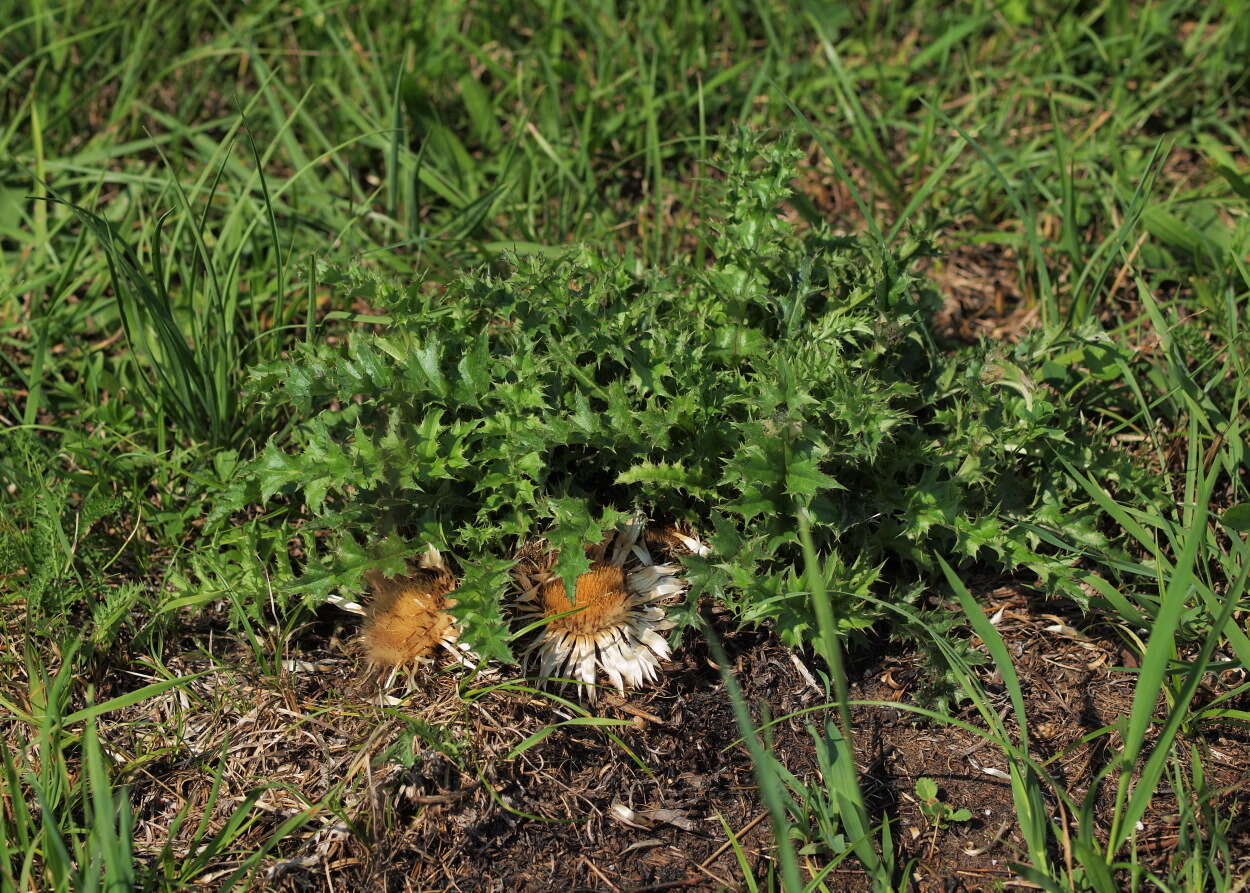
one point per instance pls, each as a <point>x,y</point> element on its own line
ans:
<point>614,622</point>
<point>407,620</point>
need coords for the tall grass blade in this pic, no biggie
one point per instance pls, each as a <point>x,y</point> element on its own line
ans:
<point>1026,791</point>
<point>766,776</point>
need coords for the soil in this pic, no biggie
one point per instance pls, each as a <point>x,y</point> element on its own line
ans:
<point>982,295</point>
<point>440,793</point>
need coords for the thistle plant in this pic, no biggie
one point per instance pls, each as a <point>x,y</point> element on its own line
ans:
<point>559,398</point>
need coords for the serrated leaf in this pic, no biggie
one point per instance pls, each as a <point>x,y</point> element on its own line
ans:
<point>474,369</point>
<point>664,474</point>
<point>429,358</point>
<point>477,609</point>
<point>804,478</point>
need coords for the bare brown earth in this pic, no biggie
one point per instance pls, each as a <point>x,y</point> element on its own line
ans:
<point>433,795</point>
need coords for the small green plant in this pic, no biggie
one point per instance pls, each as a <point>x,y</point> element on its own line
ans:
<point>61,536</point>
<point>938,812</point>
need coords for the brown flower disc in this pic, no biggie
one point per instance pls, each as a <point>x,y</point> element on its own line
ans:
<point>407,619</point>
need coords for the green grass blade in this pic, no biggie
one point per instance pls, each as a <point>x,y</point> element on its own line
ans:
<point>771,791</point>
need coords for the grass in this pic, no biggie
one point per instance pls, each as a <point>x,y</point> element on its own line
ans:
<point>190,203</point>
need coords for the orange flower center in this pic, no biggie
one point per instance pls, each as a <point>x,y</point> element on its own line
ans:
<point>601,601</point>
